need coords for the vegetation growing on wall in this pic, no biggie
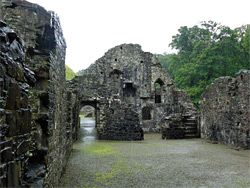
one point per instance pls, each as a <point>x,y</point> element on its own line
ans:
<point>69,73</point>
<point>205,52</point>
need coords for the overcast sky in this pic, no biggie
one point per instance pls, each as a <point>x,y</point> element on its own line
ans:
<point>92,27</point>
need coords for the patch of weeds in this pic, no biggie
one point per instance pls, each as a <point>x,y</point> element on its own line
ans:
<point>120,167</point>
<point>70,155</point>
<point>101,150</point>
<point>66,180</point>
<point>105,177</point>
<point>138,166</point>
<point>87,186</point>
<point>241,182</point>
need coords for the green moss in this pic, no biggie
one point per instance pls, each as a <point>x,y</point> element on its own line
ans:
<point>100,150</point>
<point>70,155</point>
<point>241,182</point>
<point>120,167</point>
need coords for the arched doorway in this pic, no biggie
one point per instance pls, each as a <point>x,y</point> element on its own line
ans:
<point>87,130</point>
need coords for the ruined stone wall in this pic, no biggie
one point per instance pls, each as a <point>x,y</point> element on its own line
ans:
<point>73,110</point>
<point>136,79</point>
<point>225,110</point>
<point>15,112</point>
<point>50,139</point>
<point>122,123</point>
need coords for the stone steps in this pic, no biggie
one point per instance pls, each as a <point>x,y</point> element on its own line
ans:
<point>191,130</point>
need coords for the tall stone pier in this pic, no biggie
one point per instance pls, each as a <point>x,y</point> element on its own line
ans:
<point>225,110</point>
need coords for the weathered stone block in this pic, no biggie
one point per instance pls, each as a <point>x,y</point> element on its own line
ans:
<point>13,99</point>
<point>12,122</point>
<point>5,144</point>
<point>7,154</point>
<point>13,174</point>
<point>22,147</point>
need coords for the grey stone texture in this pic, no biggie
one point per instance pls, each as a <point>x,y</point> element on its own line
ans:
<point>15,110</point>
<point>127,87</point>
<point>132,94</point>
<point>225,110</point>
<point>35,137</point>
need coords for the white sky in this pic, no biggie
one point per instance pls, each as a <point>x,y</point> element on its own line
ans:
<point>92,27</point>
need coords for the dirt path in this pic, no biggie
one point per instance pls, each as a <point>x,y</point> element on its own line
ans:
<point>156,163</point>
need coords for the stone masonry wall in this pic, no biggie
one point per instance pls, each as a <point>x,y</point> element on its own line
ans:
<point>15,111</point>
<point>44,53</point>
<point>225,110</point>
<point>136,79</point>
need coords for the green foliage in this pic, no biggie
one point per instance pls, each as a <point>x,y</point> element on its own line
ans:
<point>69,73</point>
<point>205,52</point>
<point>157,85</point>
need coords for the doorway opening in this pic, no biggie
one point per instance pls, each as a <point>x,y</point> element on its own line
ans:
<point>87,131</point>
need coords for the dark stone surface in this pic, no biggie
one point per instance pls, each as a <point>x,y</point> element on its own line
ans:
<point>225,110</point>
<point>32,98</point>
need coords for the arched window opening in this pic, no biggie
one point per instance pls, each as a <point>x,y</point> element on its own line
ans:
<point>158,90</point>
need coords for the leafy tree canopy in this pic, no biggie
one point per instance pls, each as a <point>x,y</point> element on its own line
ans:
<point>205,52</point>
<point>69,73</point>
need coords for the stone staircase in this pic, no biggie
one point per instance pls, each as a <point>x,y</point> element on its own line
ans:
<point>180,127</point>
<point>191,128</point>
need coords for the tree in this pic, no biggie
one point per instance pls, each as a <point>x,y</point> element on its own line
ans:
<point>205,52</point>
<point>69,73</point>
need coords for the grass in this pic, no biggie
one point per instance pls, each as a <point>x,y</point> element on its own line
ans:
<point>100,150</point>
<point>81,116</point>
<point>119,166</point>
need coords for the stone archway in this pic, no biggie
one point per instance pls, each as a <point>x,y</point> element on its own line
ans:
<point>95,107</point>
<point>88,117</point>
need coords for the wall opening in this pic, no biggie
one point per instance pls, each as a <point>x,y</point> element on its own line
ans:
<point>158,90</point>
<point>129,93</point>
<point>146,113</point>
<point>87,132</point>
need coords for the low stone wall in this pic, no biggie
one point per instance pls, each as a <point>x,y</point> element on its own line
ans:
<point>225,110</point>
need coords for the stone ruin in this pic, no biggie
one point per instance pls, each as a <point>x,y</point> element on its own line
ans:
<point>133,95</point>
<point>35,139</point>
<point>129,90</point>
<point>225,110</point>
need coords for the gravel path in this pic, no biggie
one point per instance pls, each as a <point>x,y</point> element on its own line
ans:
<point>155,163</point>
